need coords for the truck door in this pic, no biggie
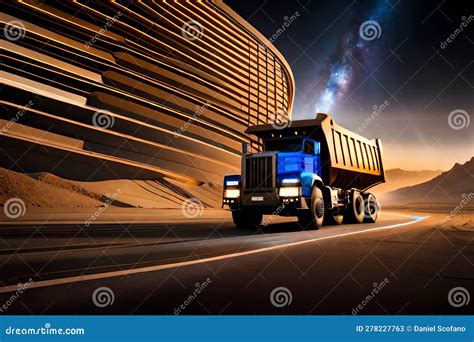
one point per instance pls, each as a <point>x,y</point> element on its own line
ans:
<point>311,156</point>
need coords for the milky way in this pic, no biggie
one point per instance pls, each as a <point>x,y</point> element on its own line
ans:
<point>354,56</point>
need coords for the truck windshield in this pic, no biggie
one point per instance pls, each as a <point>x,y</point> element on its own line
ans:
<point>283,145</point>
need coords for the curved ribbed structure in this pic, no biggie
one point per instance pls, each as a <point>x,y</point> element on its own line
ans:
<point>101,90</point>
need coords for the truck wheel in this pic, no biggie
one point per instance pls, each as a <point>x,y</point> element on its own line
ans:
<point>335,216</point>
<point>355,210</point>
<point>246,219</point>
<point>315,217</point>
<point>371,209</point>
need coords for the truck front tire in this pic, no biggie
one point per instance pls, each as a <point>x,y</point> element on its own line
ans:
<point>246,218</point>
<point>315,217</point>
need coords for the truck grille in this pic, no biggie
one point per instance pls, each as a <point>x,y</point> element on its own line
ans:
<point>258,173</point>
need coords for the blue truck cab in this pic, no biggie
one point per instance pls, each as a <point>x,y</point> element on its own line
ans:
<point>298,160</point>
<point>306,170</point>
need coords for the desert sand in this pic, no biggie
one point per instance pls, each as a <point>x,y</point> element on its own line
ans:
<point>43,190</point>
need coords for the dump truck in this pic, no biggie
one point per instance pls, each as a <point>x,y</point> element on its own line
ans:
<point>313,169</point>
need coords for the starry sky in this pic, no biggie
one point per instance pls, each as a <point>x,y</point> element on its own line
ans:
<point>402,71</point>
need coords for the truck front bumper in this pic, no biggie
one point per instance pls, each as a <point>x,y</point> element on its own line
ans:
<point>267,202</point>
<point>260,199</point>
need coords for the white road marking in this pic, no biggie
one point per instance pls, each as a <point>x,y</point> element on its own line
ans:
<point>87,277</point>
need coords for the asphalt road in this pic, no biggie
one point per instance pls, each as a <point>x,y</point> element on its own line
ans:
<point>406,263</point>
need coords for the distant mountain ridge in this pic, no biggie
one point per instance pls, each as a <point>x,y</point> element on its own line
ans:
<point>448,187</point>
<point>399,178</point>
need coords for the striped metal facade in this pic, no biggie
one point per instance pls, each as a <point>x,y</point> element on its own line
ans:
<point>143,89</point>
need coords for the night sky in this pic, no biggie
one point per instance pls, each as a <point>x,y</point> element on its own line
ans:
<point>382,69</point>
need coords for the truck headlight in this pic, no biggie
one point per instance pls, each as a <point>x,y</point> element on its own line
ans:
<point>289,191</point>
<point>231,193</point>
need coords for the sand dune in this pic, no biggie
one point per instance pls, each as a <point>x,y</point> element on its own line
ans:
<point>44,190</point>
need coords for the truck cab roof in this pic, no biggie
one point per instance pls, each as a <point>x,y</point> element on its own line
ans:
<point>305,127</point>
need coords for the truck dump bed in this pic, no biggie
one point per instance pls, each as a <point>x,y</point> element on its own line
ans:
<point>348,159</point>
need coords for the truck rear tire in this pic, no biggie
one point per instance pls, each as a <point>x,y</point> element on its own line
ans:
<point>371,209</point>
<point>355,209</point>
<point>315,217</point>
<point>246,218</point>
<point>334,216</point>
